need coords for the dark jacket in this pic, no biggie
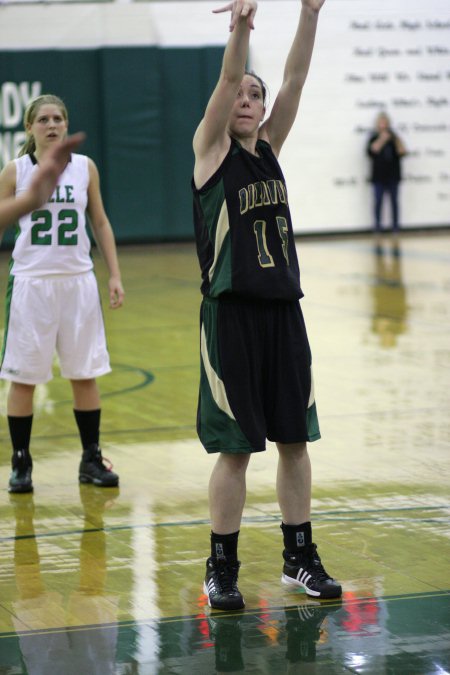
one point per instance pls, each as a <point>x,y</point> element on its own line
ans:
<point>386,163</point>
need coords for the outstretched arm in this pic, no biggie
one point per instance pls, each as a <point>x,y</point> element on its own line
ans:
<point>211,141</point>
<point>42,185</point>
<point>276,128</point>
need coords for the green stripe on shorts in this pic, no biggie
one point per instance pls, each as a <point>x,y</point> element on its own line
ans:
<point>9,292</point>
<point>312,423</point>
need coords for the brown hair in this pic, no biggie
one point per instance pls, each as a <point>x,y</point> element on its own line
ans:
<point>30,115</point>
<point>262,84</point>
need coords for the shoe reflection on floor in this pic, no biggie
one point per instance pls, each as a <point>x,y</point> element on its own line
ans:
<point>40,613</point>
<point>297,630</point>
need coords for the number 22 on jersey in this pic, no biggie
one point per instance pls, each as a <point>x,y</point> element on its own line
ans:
<point>41,232</point>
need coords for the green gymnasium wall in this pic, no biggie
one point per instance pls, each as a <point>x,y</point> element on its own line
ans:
<point>140,107</point>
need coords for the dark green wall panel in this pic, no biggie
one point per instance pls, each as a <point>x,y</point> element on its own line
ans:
<point>133,141</point>
<point>185,89</point>
<point>139,107</point>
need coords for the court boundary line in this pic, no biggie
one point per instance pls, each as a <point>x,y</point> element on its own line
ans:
<point>266,518</point>
<point>350,602</point>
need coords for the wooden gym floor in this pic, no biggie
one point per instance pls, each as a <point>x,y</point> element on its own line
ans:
<point>97,582</point>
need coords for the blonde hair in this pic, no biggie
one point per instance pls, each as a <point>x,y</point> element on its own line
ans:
<point>30,115</point>
<point>382,115</point>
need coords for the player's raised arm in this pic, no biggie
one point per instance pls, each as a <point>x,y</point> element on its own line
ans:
<point>276,128</point>
<point>211,140</point>
<point>42,185</point>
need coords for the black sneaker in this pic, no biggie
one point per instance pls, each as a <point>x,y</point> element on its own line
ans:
<point>22,466</point>
<point>93,470</point>
<point>305,569</point>
<point>220,584</point>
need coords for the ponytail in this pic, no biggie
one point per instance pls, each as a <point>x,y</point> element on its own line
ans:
<point>28,147</point>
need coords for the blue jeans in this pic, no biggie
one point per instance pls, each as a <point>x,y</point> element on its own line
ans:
<point>379,190</point>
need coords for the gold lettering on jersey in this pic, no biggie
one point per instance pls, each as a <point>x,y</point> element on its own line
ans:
<point>262,193</point>
<point>243,200</point>
<point>62,195</point>
<point>272,189</point>
<point>258,194</point>
<point>251,196</point>
<point>265,193</point>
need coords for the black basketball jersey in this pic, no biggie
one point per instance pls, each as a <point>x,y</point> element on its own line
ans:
<point>245,242</point>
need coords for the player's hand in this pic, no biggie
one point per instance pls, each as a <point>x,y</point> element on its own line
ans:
<point>238,8</point>
<point>116,293</point>
<point>314,5</point>
<point>52,165</point>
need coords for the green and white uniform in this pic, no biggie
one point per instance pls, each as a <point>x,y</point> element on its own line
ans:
<point>52,300</point>
<point>53,239</point>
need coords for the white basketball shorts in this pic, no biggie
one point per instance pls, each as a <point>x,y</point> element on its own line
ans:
<point>61,314</point>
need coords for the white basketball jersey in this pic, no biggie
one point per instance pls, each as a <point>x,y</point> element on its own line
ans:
<point>53,239</point>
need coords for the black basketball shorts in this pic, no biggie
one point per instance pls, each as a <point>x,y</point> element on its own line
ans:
<point>256,379</point>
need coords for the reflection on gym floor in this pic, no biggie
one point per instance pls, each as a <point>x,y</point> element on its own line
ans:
<point>43,608</point>
<point>109,581</point>
<point>390,308</point>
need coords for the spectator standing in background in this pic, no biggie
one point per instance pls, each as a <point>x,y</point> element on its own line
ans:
<point>385,149</point>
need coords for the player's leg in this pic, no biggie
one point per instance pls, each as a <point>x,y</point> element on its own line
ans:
<point>87,411</point>
<point>227,492</point>
<point>20,420</point>
<point>292,421</point>
<point>83,356</point>
<point>294,483</point>
<point>28,348</point>
<point>230,421</point>
<point>302,564</point>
